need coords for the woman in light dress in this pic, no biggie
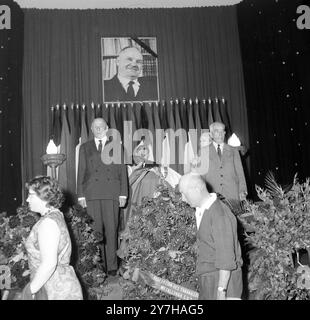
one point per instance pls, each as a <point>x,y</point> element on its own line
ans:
<point>49,246</point>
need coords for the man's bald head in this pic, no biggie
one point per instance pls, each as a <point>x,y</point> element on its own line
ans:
<point>193,187</point>
<point>191,180</point>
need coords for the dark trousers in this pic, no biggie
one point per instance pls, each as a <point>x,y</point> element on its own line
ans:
<point>105,214</point>
<point>208,284</point>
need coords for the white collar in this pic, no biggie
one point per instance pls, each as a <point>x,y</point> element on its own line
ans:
<point>103,141</point>
<point>216,144</point>
<point>205,205</point>
<point>125,81</point>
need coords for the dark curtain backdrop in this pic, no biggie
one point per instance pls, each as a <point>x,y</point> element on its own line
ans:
<point>11,54</point>
<point>198,56</point>
<point>276,63</point>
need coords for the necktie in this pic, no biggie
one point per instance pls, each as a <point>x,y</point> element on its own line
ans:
<point>100,146</point>
<point>130,91</point>
<point>219,152</point>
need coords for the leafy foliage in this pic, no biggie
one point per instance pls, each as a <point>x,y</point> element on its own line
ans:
<point>13,231</point>
<point>86,253</point>
<point>162,240</point>
<point>281,225</point>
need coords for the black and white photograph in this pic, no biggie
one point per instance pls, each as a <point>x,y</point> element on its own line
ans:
<point>155,156</point>
<point>129,69</point>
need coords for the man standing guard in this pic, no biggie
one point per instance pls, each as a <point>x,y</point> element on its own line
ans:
<point>103,188</point>
<point>225,174</point>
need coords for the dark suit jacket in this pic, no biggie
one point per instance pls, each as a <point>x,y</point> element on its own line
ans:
<point>218,244</point>
<point>114,91</point>
<point>97,180</point>
<point>226,176</point>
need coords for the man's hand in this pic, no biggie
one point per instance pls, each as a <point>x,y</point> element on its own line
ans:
<point>122,201</point>
<point>82,202</point>
<point>221,295</point>
<point>224,276</point>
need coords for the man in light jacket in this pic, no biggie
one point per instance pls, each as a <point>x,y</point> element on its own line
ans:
<point>225,173</point>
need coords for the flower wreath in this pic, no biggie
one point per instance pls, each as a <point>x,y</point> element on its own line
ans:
<point>162,240</point>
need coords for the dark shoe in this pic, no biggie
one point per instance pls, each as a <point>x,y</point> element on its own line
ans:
<point>112,273</point>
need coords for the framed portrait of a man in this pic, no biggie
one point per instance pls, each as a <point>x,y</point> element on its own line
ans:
<point>129,69</point>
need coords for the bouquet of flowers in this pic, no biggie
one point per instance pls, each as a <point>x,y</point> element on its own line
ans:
<point>162,240</point>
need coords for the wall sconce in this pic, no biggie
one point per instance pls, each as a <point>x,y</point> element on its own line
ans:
<point>235,142</point>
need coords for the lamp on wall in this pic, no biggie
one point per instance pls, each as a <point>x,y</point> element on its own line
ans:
<point>235,142</point>
<point>52,158</point>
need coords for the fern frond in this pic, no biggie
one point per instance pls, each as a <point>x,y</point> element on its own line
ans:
<point>272,186</point>
<point>288,187</point>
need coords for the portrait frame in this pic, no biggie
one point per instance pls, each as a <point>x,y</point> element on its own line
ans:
<point>148,78</point>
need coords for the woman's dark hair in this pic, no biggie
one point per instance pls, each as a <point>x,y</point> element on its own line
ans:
<point>47,189</point>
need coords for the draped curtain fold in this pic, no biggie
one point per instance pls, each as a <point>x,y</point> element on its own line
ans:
<point>198,56</point>
<point>11,58</point>
<point>277,81</point>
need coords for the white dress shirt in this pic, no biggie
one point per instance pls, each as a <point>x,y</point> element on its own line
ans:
<point>221,146</point>
<point>125,84</point>
<point>103,141</point>
<point>206,205</point>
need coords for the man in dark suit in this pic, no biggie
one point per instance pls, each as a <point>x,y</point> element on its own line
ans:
<point>219,258</point>
<point>225,173</point>
<point>103,188</point>
<point>127,84</point>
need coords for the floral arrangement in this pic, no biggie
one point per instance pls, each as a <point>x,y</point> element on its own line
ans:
<point>13,231</point>
<point>85,254</point>
<point>161,240</point>
<point>279,226</point>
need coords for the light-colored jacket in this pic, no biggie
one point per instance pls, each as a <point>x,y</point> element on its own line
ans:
<point>225,176</point>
